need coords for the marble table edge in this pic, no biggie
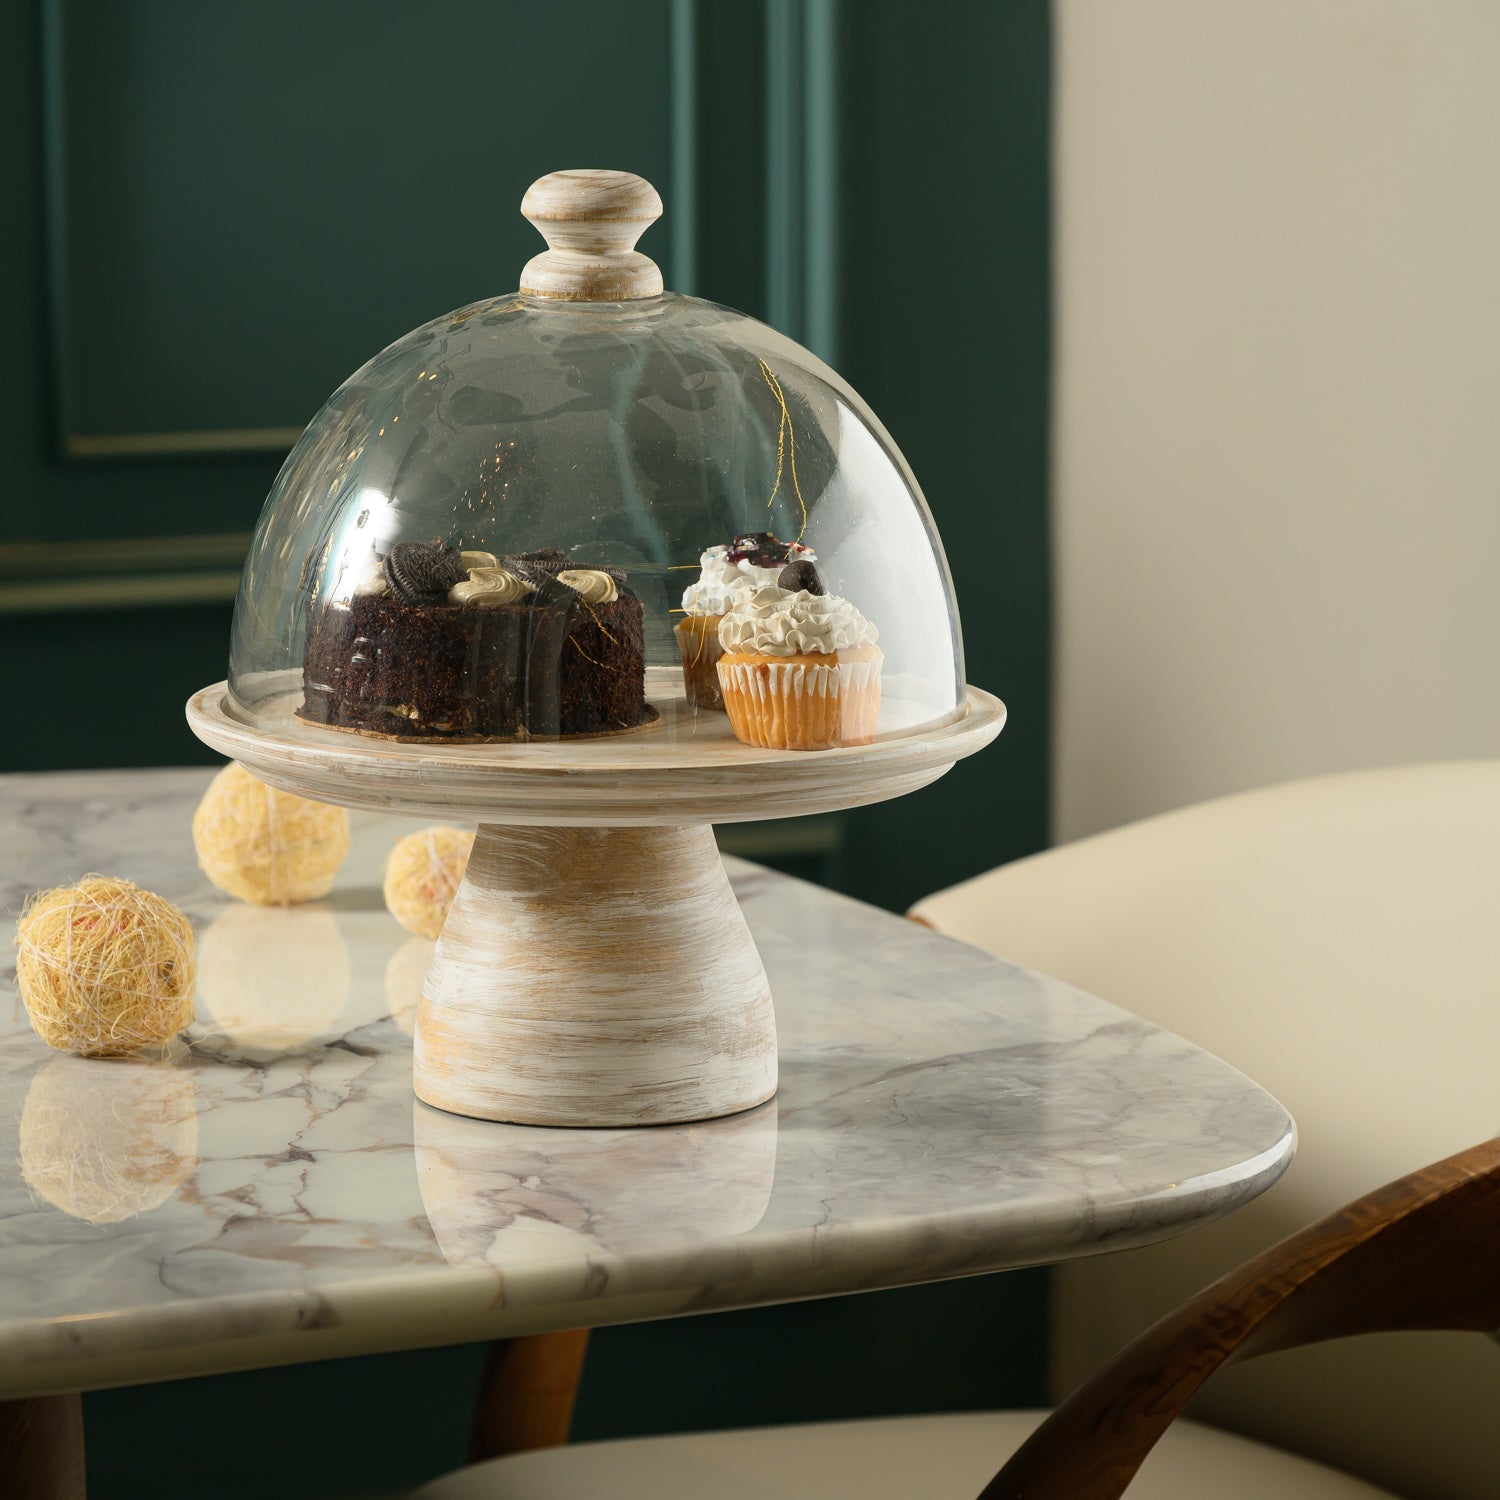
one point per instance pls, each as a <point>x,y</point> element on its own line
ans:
<point>469,1304</point>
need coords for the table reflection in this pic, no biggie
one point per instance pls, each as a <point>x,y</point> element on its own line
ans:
<point>403,980</point>
<point>500,1194</point>
<point>274,978</point>
<point>107,1139</point>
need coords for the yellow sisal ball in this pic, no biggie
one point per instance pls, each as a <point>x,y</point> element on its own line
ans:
<point>422,874</point>
<point>104,967</point>
<point>267,847</point>
<point>106,1141</point>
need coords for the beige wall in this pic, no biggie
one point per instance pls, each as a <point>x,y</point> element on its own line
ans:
<point>1277,470</point>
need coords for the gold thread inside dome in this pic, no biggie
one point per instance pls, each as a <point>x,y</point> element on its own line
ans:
<point>786,447</point>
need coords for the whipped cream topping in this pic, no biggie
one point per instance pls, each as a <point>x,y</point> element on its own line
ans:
<point>776,622</point>
<point>723,581</point>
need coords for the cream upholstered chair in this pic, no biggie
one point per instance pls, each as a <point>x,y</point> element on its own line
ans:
<point>1339,940</point>
<point>894,1458</point>
<point>1418,1253</point>
<point>1336,938</point>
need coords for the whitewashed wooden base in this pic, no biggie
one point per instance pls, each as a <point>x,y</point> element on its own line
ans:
<point>595,976</point>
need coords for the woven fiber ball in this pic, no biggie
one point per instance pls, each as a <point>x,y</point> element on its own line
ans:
<point>273,981</point>
<point>267,847</point>
<point>105,1141</point>
<point>422,874</point>
<point>105,968</point>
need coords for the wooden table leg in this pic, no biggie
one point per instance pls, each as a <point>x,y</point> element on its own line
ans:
<point>527,1393</point>
<point>41,1448</point>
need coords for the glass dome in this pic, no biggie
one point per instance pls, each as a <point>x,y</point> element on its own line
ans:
<point>595,507</point>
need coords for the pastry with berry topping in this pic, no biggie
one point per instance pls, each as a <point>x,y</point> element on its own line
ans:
<point>727,572</point>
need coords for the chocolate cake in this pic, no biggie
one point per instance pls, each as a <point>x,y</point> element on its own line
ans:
<point>439,645</point>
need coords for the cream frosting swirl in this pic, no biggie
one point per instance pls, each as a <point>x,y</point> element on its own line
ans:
<point>722,581</point>
<point>593,584</point>
<point>489,586</point>
<point>775,622</point>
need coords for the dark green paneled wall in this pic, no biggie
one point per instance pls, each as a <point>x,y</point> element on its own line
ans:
<point>299,185</point>
<point>316,180</point>
<point>944,165</point>
<point>882,109</point>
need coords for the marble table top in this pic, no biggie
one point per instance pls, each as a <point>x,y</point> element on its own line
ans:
<point>274,1193</point>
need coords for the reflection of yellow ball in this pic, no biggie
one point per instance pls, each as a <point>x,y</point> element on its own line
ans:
<point>403,980</point>
<point>104,1141</point>
<point>422,876</point>
<point>104,967</point>
<point>273,980</point>
<point>265,846</point>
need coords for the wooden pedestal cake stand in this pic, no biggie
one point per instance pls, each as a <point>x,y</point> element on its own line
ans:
<point>595,968</point>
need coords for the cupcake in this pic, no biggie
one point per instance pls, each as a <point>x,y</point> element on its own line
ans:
<point>800,669</point>
<point>747,563</point>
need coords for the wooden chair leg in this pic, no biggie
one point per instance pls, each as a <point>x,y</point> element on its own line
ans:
<point>527,1393</point>
<point>41,1448</point>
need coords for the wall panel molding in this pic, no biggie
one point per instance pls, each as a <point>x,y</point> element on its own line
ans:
<point>113,573</point>
<point>802,175</point>
<point>148,489</point>
<point>682,209</point>
<point>226,244</point>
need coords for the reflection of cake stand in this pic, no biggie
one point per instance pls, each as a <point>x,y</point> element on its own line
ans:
<point>595,968</point>
<point>501,1197</point>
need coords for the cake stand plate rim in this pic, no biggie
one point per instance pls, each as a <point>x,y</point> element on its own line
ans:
<point>553,786</point>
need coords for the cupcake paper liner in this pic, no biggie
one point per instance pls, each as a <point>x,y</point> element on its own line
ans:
<point>800,703</point>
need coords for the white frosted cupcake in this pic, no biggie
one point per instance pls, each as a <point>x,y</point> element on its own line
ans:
<point>727,573</point>
<point>800,670</point>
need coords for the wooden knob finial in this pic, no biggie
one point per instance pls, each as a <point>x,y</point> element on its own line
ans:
<point>591,221</point>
